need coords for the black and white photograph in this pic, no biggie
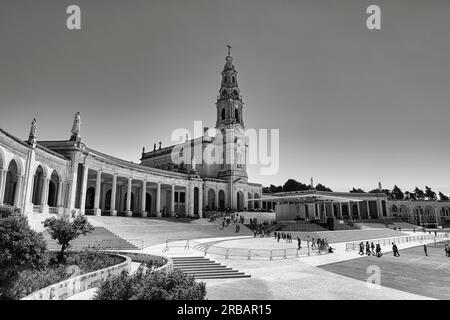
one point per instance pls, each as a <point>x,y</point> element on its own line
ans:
<point>240,151</point>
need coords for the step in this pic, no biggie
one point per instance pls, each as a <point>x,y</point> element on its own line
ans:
<point>216,265</point>
<point>222,276</point>
<point>212,272</point>
<point>235,272</point>
<point>203,265</point>
<point>191,259</point>
<point>206,270</point>
<point>194,262</point>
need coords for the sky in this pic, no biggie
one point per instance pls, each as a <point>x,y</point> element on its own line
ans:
<point>353,106</point>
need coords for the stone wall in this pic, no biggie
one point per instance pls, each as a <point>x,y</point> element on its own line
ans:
<point>64,289</point>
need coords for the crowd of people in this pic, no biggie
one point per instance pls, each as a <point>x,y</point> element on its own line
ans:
<point>375,250</point>
<point>370,249</point>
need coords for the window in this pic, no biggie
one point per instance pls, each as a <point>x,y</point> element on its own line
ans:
<point>236,115</point>
<point>223,114</point>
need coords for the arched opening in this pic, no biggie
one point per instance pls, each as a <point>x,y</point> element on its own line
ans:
<point>355,210</point>
<point>196,204</point>
<point>250,205</point>
<point>240,201</point>
<point>38,184</point>
<point>236,115</point>
<point>223,114</point>
<point>256,204</point>
<point>108,200</point>
<point>90,195</point>
<point>148,202</point>
<point>53,190</point>
<point>11,184</point>
<point>211,199</point>
<point>344,210</point>
<point>221,200</point>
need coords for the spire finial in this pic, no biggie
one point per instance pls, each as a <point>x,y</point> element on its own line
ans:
<point>229,49</point>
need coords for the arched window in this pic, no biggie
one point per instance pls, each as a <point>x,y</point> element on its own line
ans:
<point>223,114</point>
<point>226,79</point>
<point>236,115</point>
<point>234,79</point>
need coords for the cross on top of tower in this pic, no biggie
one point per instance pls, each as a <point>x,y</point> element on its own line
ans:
<point>229,49</point>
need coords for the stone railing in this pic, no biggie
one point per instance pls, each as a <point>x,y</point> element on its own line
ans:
<point>64,289</point>
<point>145,258</point>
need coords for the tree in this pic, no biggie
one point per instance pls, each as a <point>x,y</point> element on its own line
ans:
<point>147,285</point>
<point>321,187</point>
<point>65,231</point>
<point>291,185</point>
<point>387,192</point>
<point>21,248</point>
<point>419,194</point>
<point>430,194</point>
<point>397,193</point>
<point>357,190</point>
<point>443,197</point>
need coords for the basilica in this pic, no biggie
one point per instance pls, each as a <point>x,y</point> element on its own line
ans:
<point>68,178</point>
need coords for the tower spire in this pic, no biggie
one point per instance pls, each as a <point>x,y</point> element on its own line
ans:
<point>229,50</point>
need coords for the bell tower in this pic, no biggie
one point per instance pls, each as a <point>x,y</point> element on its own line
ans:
<point>230,123</point>
<point>229,101</point>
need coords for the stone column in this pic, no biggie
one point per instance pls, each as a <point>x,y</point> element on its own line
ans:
<point>83,190</point>
<point>358,210</point>
<point>172,200</point>
<point>98,187</point>
<point>187,201</point>
<point>216,199</point>
<point>350,211</point>
<point>436,214</point>
<point>18,190</point>
<point>128,209</point>
<point>59,198</point>
<point>333,214</point>
<point>368,209</point>
<point>200,202</point>
<point>112,206</point>
<point>59,194</point>
<point>44,197</point>
<point>143,198</point>
<point>158,200</point>
<point>379,209</point>
<point>3,174</point>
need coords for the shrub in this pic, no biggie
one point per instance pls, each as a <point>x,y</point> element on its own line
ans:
<point>29,281</point>
<point>148,285</point>
<point>21,248</point>
<point>65,231</point>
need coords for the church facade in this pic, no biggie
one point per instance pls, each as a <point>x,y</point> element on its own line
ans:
<point>66,177</point>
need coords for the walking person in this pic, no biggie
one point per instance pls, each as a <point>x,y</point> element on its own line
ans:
<point>395,250</point>
<point>361,248</point>
<point>425,249</point>
<point>368,252</point>
<point>378,251</point>
<point>299,244</point>
<point>372,247</point>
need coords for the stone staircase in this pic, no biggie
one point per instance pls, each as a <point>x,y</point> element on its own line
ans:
<point>100,238</point>
<point>204,268</point>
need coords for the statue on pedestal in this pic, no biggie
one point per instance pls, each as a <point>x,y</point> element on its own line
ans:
<point>32,136</point>
<point>76,128</point>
